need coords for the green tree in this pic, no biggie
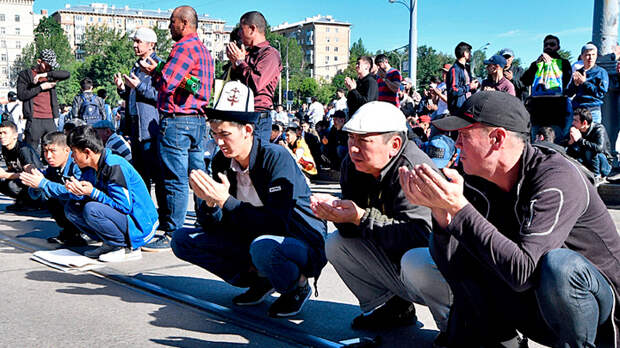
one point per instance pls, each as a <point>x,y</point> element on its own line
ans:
<point>430,61</point>
<point>297,66</point>
<point>566,55</point>
<point>164,42</point>
<point>308,87</point>
<point>477,63</point>
<point>326,93</point>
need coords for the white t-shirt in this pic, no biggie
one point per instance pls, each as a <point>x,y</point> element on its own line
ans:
<point>245,188</point>
<point>442,106</point>
<point>316,112</point>
<point>341,104</point>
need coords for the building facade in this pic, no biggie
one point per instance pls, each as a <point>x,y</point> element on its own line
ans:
<point>17,22</point>
<point>324,41</point>
<point>75,19</point>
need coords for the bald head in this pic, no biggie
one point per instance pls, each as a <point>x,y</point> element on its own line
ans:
<point>183,21</point>
<point>187,14</point>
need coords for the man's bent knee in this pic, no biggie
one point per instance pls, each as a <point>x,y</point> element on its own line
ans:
<point>334,246</point>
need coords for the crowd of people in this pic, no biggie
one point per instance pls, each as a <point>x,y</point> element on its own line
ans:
<point>474,198</point>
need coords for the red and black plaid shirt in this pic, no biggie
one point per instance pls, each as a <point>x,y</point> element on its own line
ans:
<point>188,56</point>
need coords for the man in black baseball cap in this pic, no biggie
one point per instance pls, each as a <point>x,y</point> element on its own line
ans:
<point>516,246</point>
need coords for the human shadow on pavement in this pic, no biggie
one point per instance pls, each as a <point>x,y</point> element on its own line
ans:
<point>325,319</point>
<point>166,316</point>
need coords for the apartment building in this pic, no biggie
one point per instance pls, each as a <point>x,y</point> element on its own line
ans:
<point>324,41</point>
<point>17,22</point>
<point>74,20</point>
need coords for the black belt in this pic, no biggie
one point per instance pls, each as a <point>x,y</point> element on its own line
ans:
<point>175,114</point>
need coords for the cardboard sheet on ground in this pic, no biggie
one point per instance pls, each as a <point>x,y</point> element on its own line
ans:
<point>66,260</point>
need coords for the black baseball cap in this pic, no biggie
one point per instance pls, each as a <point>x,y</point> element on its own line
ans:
<point>493,108</point>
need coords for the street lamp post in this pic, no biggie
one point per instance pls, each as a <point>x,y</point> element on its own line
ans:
<point>413,37</point>
<point>296,32</point>
<point>280,79</point>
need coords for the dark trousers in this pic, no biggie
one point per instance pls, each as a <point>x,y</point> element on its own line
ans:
<point>225,254</point>
<point>566,306</point>
<point>145,158</point>
<point>100,222</point>
<point>15,189</point>
<point>57,210</point>
<point>36,128</point>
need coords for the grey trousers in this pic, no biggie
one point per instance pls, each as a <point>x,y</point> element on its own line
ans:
<point>374,279</point>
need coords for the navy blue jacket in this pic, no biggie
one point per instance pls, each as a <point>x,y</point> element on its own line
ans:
<point>590,93</point>
<point>285,195</point>
<point>457,86</point>
<point>145,124</point>
<point>119,186</point>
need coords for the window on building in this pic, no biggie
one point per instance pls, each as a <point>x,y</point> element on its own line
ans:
<point>327,48</point>
<point>18,31</point>
<point>79,18</point>
<point>99,19</point>
<point>2,18</point>
<point>91,19</point>
<point>335,58</point>
<point>336,39</point>
<point>328,39</point>
<point>335,49</point>
<point>18,44</point>
<point>336,29</point>
<point>2,31</point>
<point>17,18</point>
<point>5,71</point>
<point>3,43</point>
<point>3,57</point>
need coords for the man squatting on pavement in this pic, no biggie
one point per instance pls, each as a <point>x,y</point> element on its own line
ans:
<point>381,247</point>
<point>524,241</point>
<point>257,229</point>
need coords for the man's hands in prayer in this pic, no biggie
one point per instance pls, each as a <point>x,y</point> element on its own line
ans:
<point>206,188</point>
<point>148,65</point>
<point>423,186</point>
<point>331,208</point>
<point>31,177</point>
<point>79,188</point>
<point>131,80</point>
<point>350,83</point>
<point>234,53</point>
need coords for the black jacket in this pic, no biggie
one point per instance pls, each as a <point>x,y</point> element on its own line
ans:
<point>27,89</point>
<point>285,195</point>
<point>367,90</point>
<point>567,72</point>
<point>497,241</point>
<point>595,140</point>
<point>521,89</point>
<point>390,220</point>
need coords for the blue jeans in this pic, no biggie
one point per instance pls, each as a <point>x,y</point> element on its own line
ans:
<point>597,117</point>
<point>279,259</point>
<point>99,221</point>
<point>263,127</point>
<point>181,149</point>
<point>574,298</point>
<point>230,256</point>
<point>145,158</point>
<point>596,162</point>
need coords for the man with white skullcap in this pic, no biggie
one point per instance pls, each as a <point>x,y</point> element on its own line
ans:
<point>141,115</point>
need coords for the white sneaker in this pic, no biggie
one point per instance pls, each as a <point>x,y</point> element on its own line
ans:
<point>123,254</point>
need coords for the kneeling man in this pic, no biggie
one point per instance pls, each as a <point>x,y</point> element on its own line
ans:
<point>117,209</point>
<point>527,244</point>
<point>381,247</point>
<point>258,230</point>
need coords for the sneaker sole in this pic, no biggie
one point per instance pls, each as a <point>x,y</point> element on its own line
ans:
<point>261,300</point>
<point>286,315</point>
<point>128,257</point>
<point>154,250</point>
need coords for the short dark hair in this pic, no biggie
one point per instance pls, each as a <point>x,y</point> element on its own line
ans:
<point>552,37</point>
<point>341,90</point>
<point>461,48</point>
<point>235,34</point>
<point>256,19</point>
<point>86,83</point>
<point>367,59</point>
<point>584,114</point>
<point>102,93</point>
<point>339,114</point>
<point>54,138</point>
<point>12,96</point>
<point>9,124</point>
<point>387,136</point>
<point>380,58</point>
<point>547,133</point>
<point>85,137</point>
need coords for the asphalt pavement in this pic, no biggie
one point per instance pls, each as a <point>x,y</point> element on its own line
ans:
<point>163,301</point>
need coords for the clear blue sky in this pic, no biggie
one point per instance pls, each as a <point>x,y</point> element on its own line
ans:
<point>520,25</point>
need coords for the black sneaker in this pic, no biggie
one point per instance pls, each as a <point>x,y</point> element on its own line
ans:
<point>103,249</point>
<point>395,312</point>
<point>21,208</point>
<point>158,243</point>
<point>291,303</point>
<point>256,294</point>
<point>68,238</point>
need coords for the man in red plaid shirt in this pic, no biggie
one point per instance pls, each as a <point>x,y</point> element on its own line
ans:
<point>182,127</point>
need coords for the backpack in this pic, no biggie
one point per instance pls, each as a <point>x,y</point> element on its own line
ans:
<point>7,115</point>
<point>89,110</point>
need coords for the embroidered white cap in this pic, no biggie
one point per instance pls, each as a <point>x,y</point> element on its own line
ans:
<point>376,117</point>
